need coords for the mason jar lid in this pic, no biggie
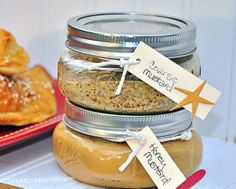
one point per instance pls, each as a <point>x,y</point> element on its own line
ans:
<point>116,35</point>
<point>114,126</point>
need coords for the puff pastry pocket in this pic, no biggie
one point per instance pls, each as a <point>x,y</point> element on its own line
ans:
<point>13,57</point>
<point>27,97</point>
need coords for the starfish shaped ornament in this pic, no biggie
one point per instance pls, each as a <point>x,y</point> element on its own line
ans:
<point>193,98</point>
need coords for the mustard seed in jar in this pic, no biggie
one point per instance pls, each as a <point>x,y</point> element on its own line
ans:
<point>89,143</point>
<point>97,38</point>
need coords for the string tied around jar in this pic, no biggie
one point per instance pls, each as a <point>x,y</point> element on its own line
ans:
<point>106,65</point>
<point>123,63</point>
<point>141,141</point>
<point>186,135</point>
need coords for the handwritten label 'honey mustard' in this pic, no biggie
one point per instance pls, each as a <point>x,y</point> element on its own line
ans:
<point>157,162</point>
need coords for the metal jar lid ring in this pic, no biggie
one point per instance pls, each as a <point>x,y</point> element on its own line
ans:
<point>114,126</point>
<point>116,35</point>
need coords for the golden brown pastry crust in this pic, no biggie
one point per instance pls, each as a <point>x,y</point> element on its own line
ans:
<point>26,97</point>
<point>13,57</point>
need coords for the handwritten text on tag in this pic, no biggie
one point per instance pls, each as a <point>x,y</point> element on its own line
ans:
<point>173,81</point>
<point>157,162</point>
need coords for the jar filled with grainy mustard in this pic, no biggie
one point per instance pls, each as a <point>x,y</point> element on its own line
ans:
<point>105,37</point>
<point>89,143</point>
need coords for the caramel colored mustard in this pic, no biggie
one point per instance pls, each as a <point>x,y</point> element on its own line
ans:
<point>95,161</point>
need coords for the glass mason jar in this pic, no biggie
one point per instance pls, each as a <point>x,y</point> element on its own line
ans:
<point>105,37</point>
<point>82,152</point>
<point>87,144</point>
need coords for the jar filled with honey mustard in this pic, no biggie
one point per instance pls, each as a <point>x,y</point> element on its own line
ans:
<point>89,143</point>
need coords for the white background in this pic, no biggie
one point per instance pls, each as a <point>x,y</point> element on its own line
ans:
<point>40,26</point>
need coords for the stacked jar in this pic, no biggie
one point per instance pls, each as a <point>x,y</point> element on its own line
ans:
<point>88,143</point>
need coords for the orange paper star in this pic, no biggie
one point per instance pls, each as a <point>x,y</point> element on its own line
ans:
<point>193,98</point>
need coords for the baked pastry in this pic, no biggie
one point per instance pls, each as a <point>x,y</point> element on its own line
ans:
<point>13,57</point>
<point>27,97</point>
